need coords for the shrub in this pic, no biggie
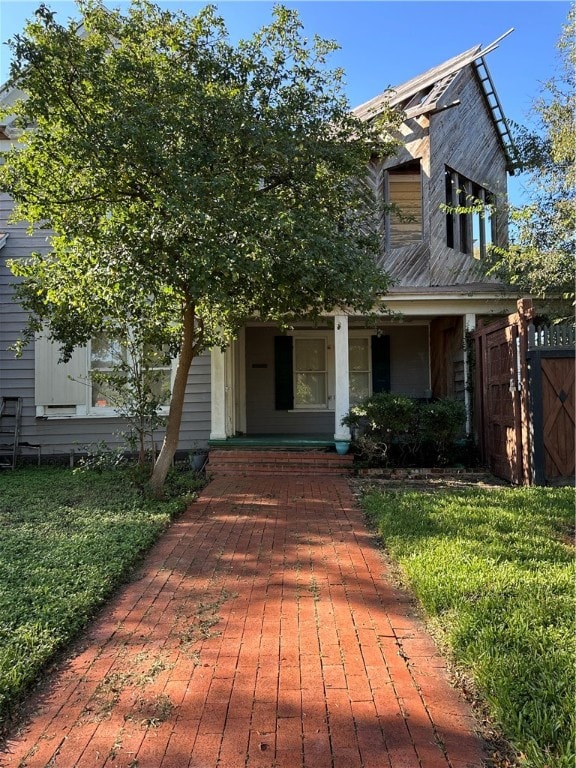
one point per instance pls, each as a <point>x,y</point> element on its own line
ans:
<point>396,429</point>
<point>441,422</point>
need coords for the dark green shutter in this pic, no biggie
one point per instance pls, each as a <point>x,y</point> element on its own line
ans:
<point>380,363</point>
<point>283,373</point>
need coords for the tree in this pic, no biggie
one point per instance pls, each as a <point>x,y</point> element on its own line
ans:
<point>190,184</point>
<point>540,259</point>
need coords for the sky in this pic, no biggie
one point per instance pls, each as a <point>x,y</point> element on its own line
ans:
<point>386,42</point>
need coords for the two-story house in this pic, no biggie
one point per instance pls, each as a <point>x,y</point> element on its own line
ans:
<point>456,147</point>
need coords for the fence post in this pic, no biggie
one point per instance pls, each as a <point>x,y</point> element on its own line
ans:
<point>525,314</point>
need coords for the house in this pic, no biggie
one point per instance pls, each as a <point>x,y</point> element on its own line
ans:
<point>455,147</point>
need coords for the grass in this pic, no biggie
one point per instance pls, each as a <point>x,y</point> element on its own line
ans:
<point>67,540</point>
<point>493,569</point>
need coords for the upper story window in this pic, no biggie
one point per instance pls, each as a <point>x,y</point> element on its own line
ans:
<point>471,231</point>
<point>404,193</point>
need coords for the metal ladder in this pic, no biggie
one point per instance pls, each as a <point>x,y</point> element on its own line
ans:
<point>10,425</point>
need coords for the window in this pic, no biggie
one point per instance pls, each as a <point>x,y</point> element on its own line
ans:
<point>304,369</point>
<point>149,365</point>
<point>105,353</point>
<point>310,373</point>
<point>470,232</point>
<point>359,369</point>
<point>71,389</point>
<point>404,192</point>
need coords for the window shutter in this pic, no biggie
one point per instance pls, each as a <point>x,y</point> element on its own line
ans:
<point>380,363</point>
<point>59,383</point>
<point>283,373</point>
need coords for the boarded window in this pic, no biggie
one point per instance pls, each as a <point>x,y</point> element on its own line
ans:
<point>405,194</point>
<point>58,384</point>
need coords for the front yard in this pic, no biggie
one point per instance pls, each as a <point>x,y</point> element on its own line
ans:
<point>66,541</point>
<point>494,571</point>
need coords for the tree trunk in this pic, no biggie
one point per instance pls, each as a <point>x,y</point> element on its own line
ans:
<point>170,444</point>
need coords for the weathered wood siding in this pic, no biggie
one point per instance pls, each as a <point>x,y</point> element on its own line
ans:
<point>463,138</point>
<point>447,357</point>
<point>17,375</point>
<point>409,264</point>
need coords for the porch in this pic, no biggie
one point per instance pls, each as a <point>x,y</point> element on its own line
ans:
<point>290,388</point>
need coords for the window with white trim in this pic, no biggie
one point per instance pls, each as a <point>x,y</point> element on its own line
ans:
<point>310,373</point>
<point>360,371</point>
<point>107,354</point>
<point>69,389</point>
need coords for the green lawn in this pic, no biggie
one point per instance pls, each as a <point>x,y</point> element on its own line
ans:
<point>66,541</point>
<point>494,571</point>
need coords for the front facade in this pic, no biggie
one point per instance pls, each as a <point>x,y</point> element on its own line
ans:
<point>455,148</point>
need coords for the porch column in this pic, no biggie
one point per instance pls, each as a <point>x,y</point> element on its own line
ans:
<point>469,325</point>
<point>341,389</point>
<point>218,394</point>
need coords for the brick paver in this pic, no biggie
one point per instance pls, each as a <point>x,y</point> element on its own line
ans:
<point>261,632</point>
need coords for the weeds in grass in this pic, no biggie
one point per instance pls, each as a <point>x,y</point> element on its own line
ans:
<point>494,570</point>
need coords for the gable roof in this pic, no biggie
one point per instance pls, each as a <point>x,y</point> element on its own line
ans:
<point>422,94</point>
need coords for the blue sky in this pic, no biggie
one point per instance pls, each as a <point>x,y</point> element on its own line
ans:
<point>385,42</point>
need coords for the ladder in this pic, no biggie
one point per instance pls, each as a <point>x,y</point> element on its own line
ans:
<point>496,108</point>
<point>10,425</point>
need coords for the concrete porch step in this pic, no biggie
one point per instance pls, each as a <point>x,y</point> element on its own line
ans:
<point>277,462</point>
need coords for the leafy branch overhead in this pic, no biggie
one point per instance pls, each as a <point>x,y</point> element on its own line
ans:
<point>190,183</point>
<point>541,257</point>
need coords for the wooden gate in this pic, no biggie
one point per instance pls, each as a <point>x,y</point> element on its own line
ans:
<point>525,399</point>
<point>501,398</point>
<point>552,384</point>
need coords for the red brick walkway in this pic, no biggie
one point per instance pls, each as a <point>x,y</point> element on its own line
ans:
<point>261,632</point>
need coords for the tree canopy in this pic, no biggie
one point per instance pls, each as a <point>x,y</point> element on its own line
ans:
<point>189,183</point>
<point>541,257</point>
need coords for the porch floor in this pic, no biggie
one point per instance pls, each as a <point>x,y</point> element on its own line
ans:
<point>294,442</point>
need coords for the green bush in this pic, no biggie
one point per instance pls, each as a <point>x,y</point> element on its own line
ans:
<point>396,429</point>
<point>441,422</point>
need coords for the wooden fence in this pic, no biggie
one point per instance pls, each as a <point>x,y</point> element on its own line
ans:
<point>525,398</point>
<point>550,360</point>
